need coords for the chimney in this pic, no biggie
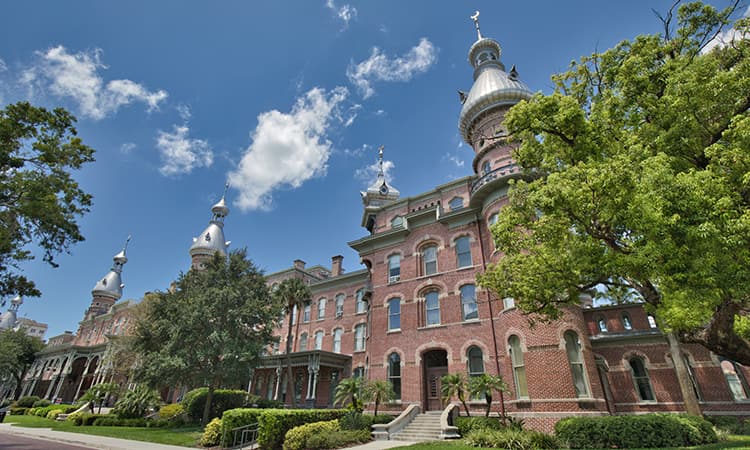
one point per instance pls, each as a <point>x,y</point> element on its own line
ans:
<point>336,268</point>
<point>299,264</point>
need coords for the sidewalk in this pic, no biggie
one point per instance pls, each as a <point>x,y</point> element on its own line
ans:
<point>109,443</point>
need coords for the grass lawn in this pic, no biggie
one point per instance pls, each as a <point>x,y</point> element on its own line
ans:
<point>185,437</point>
<point>732,442</point>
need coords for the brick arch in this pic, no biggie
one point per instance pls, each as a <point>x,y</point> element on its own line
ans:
<point>631,353</point>
<point>396,350</point>
<point>427,239</point>
<point>428,285</point>
<point>462,233</point>
<point>433,345</point>
<point>393,295</point>
<point>464,281</point>
<point>567,326</point>
<point>398,251</point>
<point>359,322</point>
<point>319,329</point>
<point>521,337</point>
<point>336,327</point>
<point>599,357</point>
<point>474,343</point>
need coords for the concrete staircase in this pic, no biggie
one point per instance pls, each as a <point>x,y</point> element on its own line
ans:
<point>424,427</point>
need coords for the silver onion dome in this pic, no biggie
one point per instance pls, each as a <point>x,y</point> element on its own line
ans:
<point>9,318</point>
<point>211,240</point>
<point>493,86</point>
<point>111,284</point>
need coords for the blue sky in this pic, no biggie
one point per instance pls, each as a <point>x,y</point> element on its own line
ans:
<point>287,99</point>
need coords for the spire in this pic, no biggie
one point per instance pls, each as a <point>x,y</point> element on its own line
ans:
<point>220,209</point>
<point>211,240</point>
<point>111,284</point>
<point>378,194</point>
<point>9,318</point>
<point>475,18</point>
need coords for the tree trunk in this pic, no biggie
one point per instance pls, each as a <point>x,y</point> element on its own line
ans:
<point>683,377</point>
<point>289,380</point>
<point>207,406</point>
<point>488,398</point>
<point>376,406</point>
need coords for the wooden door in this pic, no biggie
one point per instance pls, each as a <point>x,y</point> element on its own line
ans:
<point>433,375</point>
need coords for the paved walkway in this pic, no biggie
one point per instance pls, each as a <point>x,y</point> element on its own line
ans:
<point>109,443</point>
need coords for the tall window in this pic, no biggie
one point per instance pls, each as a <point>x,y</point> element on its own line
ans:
<point>463,251</point>
<point>469,302</point>
<point>394,268</point>
<point>432,307</point>
<point>734,379</point>
<point>691,375</point>
<point>602,324</point>
<point>306,312</point>
<point>294,315</point>
<point>359,337</point>
<point>337,333</point>
<point>339,305</point>
<point>321,308</point>
<point>651,321</point>
<point>475,361</point>
<point>361,303</point>
<point>318,340</point>
<point>626,323</point>
<point>303,342</point>
<point>269,387</point>
<point>641,380</point>
<point>519,370</point>
<point>394,373</point>
<point>429,260</point>
<point>394,314</point>
<point>575,358</point>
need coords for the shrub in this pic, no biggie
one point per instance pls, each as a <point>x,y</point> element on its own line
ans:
<point>212,434</point>
<point>235,418</point>
<point>52,415</point>
<point>27,402</point>
<point>136,403</point>
<point>510,438</point>
<point>354,420</point>
<point>223,400</point>
<point>468,424</point>
<point>728,424</point>
<point>173,411</point>
<point>273,424</point>
<point>651,430</point>
<point>338,439</point>
<point>41,403</point>
<point>85,419</point>
<point>18,411</point>
<point>296,438</point>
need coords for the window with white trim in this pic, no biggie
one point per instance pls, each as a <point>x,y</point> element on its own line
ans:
<point>469,307</point>
<point>463,252</point>
<point>306,312</point>
<point>337,333</point>
<point>519,369</point>
<point>456,203</point>
<point>394,268</point>
<point>322,308</point>
<point>361,304</point>
<point>432,308</point>
<point>397,222</point>
<point>303,342</point>
<point>339,305</point>
<point>626,323</point>
<point>429,260</point>
<point>394,314</point>
<point>359,337</point>
<point>394,373</point>
<point>733,375</point>
<point>318,340</point>
<point>641,379</point>
<point>575,359</point>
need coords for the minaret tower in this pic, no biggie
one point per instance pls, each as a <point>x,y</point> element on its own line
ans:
<point>109,289</point>
<point>484,108</point>
<point>9,318</point>
<point>379,194</point>
<point>211,240</point>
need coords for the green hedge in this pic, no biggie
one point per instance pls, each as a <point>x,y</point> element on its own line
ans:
<point>223,400</point>
<point>18,411</point>
<point>41,403</point>
<point>27,402</point>
<point>297,437</point>
<point>468,424</point>
<point>212,434</point>
<point>112,421</point>
<point>274,423</point>
<point>651,430</point>
<point>338,439</point>
<point>43,411</point>
<point>510,439</point>
<point>730,424</point>
<point>235,418</point>
<point>86,419</point>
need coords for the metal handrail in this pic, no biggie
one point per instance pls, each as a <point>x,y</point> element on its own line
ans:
<point>493,174</point>
<point>244,436</point>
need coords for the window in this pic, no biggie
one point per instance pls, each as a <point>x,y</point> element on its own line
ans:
<point>361,303</point>
<point>394,268</point>
<point>456,203</point>
<point>394,314</point>
<point>276,348</point>
<point>337,333</point>
<point>397,222</point>
<point>359,338</point>
<point>294,315</point>
<point>469,302</point>
<point>358,372</point>
<point>651,321</point>
<point>318,340</point>
<point>394,373</point>
<point>303,342</point>
<point>626,323</point>
<point>429,260</point>
<point>321,308</point>
<point>509,302</point>
<point>519,370</point>
<point>691,375</point>
<point>575,358</point>
<point>493,219</point>
<point>486,168</point>
<point>734,378</point>
<point>339,305</point>
<point>463,251</point>
<point>641,380</point>
<point>602,324</point>
<point>432,308</point>
<point>306,312</point>
<point>475,361</point>
<point>269,387</point>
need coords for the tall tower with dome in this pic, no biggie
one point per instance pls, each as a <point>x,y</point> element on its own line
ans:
<point>211,240</point>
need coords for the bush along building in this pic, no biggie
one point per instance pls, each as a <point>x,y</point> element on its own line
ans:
<point>415,313</point>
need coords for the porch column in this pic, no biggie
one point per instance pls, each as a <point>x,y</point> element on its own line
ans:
<point>309,382</point>
<point>315,383</point>
<point>278,383</point>
<point>83,377</point>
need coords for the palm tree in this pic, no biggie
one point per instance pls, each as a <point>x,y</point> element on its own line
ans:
<point>292,293</point>
<point>484,385</point>
<point>378,391</point>
<point>454,384</point>
<point>349,390</point>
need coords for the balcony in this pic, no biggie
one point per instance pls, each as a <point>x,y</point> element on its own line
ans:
<point>502,172</point>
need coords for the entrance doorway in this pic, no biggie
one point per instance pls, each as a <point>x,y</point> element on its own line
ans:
<point>435,365</point>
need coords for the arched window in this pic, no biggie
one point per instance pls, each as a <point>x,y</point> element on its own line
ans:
<point>463,252</point>
<point>432,308</point>
<point>361,304</point>
<point>601,322</point>
<point>306,312</point>
<point>394,314</point>
<point>469,302</point>
<point>429,260</point>
<point>651,321</point>
<point>321,308</point>
<point>456,203</point>
<point>394,373</point>
<point>337,333</point>
<point>640,379</point>
<point>339,305</point>
<point>303,342</point>
<point>519,370</point>
<point>626,323</point>
<point>397,222</point>
<point>318,340</point>
<point>474,361</point>
<point>394,268</point>
<point>575,358</point>
<point>493,219</point>
<point>734,378</point>
<point>359,337</point>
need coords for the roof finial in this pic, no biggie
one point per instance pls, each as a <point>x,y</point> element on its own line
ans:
<point>125,247</point>
<point>224,194</point>
<point>380,160</point>
<point>475,18</point>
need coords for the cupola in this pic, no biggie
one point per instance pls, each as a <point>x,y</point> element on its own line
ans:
<point>379,194</point>
<point>211,240</point>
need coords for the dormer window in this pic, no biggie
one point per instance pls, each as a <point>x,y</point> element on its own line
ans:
<point>397,222</point>
<point>456,203</point>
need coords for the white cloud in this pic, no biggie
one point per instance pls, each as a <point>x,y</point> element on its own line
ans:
<point>76,76</point>
<point>379,67</point>
<point>184,111</point>
<point>380,112</point>
<point>181,154</point>
<point>287,149</point>
<point>454,159</point>
<point>352,111</point>
<point>359,151</point>
<point>127,148</point>
<point>3,66</point>
<point>726,36</point>
<point>369,174</point>
<point>346,13</point>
